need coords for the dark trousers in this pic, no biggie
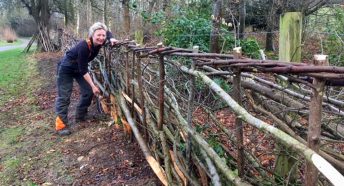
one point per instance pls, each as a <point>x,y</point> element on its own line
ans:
<point>65,78</point>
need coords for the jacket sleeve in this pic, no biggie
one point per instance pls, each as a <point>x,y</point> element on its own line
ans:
<point>108,35</point>
<point>82,60</point>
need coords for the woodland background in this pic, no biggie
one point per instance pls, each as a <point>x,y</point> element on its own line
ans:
<point>215,26</point>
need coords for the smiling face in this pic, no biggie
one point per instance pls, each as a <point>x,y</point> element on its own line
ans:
<point>98,37</point>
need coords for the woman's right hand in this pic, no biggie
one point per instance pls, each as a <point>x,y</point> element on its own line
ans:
<point>95,89</point>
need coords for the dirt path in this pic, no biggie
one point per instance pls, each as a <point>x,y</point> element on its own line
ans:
<point>24,44</point>
<point>95,154</point>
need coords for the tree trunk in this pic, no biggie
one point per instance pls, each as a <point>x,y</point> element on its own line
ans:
<point>77,18</point>
<point>214,36</point>
<point>39,10</point>
<point>105,19</point>
<point>269,42</point>
<point>290,37</point>
<point>68,10</point>
<point>126,16</point>
<point>109,19</point>
<point>242,15</point>
<point>145,28</point>
<point>65,12</point>
<point>72,11</point>
<point>89,18</point>
<point>271,25</point>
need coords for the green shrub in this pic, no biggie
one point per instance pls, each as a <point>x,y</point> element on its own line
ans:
<point>192,28</point>
<point>223,84</point>
<point>250,48</point>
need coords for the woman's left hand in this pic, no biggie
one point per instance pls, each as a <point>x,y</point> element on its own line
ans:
<point>113,41</point>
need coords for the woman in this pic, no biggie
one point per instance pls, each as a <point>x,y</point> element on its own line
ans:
<point>74,65</point>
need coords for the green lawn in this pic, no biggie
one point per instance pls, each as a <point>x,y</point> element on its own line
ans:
<point>13,73</point>
<point>16,69</point>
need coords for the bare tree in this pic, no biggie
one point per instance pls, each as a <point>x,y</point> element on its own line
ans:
<point>40,11</point>
<point>242,16</point>
<point>68,11</point>
<point>126,16</point>
<point>214,35</point>
<point>272,22</point>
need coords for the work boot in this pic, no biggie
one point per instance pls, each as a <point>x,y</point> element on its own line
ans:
<point>90,117</point>
<point>64,132</point>
<point>61,128</point>
<point>83,118</point>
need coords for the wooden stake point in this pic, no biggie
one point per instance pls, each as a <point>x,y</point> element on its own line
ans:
<point>195,49</point>
<point>160,45</point>
<point>237,52</point>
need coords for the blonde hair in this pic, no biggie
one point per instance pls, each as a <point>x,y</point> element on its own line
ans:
<point>96,26</point>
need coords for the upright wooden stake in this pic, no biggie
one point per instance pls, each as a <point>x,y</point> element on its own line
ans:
<point>142,97</point>
<point>132,85</point>
<point>314,124</point>
<point>238,123</point>
<point>161,89</point>
<point>167,159</point>
<point>127,71</point>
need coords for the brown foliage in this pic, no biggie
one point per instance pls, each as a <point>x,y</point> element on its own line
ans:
<point>9,35</point>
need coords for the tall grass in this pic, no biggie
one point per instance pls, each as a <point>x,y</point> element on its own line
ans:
<point>9,35</point>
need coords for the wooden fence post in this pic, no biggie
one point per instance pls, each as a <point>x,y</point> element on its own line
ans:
<point>290,36</point>
<point>142,97</point>
<point>167,159</point>
<point>314,121</point>
<point>161,89</point>
<point>132,85</point>
<point>127,70</point>
<point>238,123</point>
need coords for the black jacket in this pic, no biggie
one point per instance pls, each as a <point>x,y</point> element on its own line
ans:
<point>76,59</point>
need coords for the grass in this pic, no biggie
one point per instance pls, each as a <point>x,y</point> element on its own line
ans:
<point>16,71</point>
<point>10,136</point>
<point>13,73</point>
<point>28,151</point>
